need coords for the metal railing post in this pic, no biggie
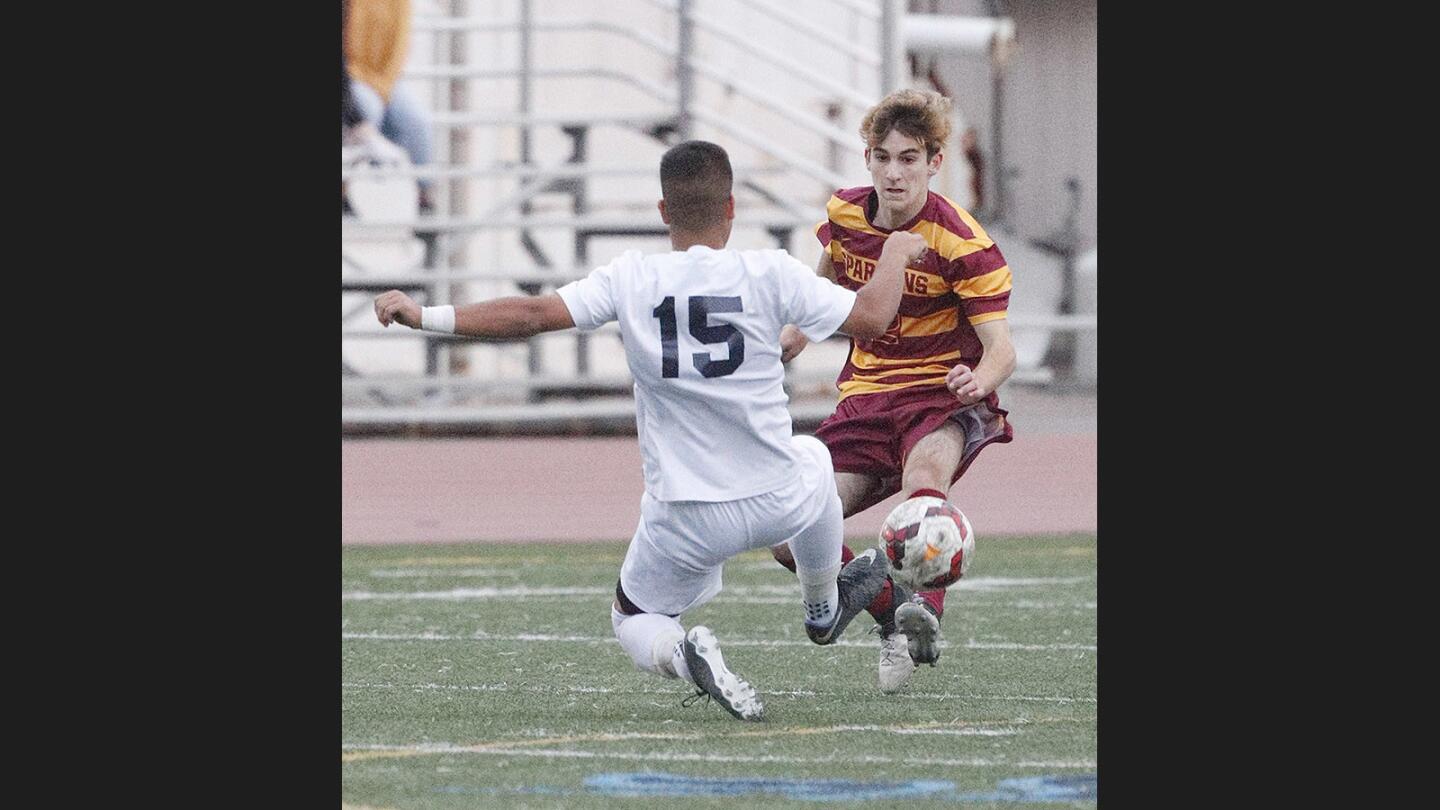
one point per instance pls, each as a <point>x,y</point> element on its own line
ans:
<point>684,71</point>
<point>457,254</point>
<point>524,32</point>
<point>892,48</point>
<point>535,362</point>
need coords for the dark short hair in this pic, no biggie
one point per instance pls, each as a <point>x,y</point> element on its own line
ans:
<point>696,180</point>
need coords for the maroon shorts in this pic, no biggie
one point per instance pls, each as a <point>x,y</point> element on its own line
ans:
<point>873,434</point>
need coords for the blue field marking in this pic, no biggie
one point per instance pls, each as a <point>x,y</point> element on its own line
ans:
<point>543,790</point>
<point>1081,787</point>
<point>1029,789</point>
<point>674,784</point>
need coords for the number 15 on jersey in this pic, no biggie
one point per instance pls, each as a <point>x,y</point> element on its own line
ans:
<point>701,307</point>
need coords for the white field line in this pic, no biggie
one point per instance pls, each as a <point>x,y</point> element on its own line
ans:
<point>726,599</point>
<point>768,564</point>
<point>451,748</point>
<point>980,584</point>
<point>728,642</point>
<point>551,690</point>
<point>963,732</point>
<point>455,594</point>
<point>422,573</point>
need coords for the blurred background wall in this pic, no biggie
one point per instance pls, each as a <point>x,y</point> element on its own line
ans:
<point>548,119</point>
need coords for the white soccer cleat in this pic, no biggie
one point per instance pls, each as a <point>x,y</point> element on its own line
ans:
<point>896,666</point>
<point>708,671</point>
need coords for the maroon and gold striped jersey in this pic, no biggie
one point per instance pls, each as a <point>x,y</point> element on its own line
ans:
<point>963,273</point>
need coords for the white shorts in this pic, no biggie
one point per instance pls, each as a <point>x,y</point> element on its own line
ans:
<point>674,560</point>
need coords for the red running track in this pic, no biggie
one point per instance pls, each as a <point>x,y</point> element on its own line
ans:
<point>572,489</point>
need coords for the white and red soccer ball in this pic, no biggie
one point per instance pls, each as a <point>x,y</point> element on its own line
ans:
<point>929,543</point>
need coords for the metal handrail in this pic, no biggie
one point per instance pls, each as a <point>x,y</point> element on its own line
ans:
<point>808,121</point>
<point>803,165</point>
<point>801,24</point>
<point>654,90</point>
<point>567,25</point>
<point>709,25</point>
<point>545,119</point>
<point>397,280</point>
<point>622,380</point>
<point>558,171</point>
<point>792,67</point>
<point>793,161</point>
<point>819,126</point>
<point>860,8</point>
<point>581,221</point>
<point>1061,323</point>
<point>393,383</point>
<point>705,23</point>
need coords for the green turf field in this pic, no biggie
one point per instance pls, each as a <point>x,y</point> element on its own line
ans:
<point>488,676</point>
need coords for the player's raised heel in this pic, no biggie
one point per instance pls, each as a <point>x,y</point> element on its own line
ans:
<point>859,583</point>
<point>921,629</point>
<point>708,670</point>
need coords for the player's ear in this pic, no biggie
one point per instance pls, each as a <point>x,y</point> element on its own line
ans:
<point>935,162</point>
<point>664,217</point>
<point>730,207</point>
<point>867,156</point>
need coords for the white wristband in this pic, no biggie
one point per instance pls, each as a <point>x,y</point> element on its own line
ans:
<point>438,319</point>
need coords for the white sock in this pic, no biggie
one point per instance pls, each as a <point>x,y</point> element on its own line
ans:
<point>819,594</point>
<point>816,550</point>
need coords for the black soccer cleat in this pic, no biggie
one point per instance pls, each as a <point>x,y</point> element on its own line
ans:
<point>859,583</point>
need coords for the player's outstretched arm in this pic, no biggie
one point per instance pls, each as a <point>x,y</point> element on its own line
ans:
<point>997,363</point>
<point>510,317</point>
<point>878,301</point>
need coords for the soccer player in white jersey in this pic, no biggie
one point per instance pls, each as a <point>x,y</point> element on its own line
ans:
<point>723,474</point>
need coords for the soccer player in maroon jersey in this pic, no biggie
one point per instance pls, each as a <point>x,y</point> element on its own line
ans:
<point>918,403</point>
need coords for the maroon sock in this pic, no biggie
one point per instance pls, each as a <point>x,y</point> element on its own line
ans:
<point>935,600</point>
<point>926,493</point>
<point>882,609</point>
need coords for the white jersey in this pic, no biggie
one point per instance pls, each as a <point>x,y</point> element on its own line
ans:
<point>701,330</point>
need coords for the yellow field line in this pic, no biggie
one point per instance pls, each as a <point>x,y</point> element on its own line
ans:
<point>504,745</point>
<point>355,756</point>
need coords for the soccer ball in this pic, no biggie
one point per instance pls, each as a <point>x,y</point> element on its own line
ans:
<point>929,543</point>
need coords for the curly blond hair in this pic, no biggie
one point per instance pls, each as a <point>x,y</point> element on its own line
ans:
<point>920,114</point>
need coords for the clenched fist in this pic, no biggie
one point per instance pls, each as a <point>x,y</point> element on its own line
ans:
<point>792,342</point>
<point>912,245</point>
<point>397,306</point>
<point>963,383</point>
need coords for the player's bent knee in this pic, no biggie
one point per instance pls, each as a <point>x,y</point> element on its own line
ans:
<point>649,639</point>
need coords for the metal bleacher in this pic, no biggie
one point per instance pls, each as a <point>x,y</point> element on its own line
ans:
<point>549,132</point>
